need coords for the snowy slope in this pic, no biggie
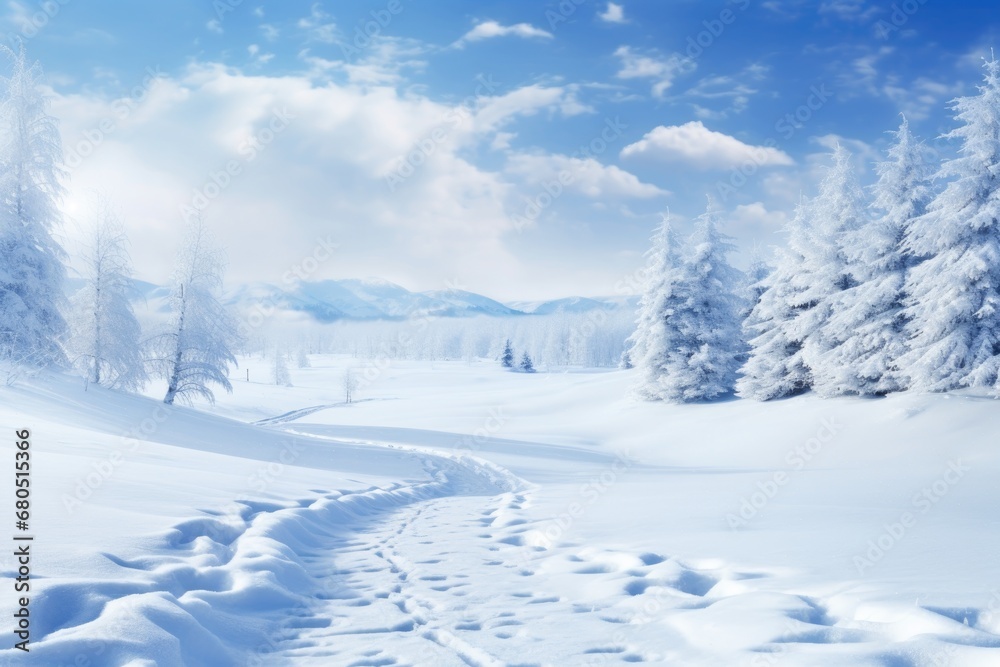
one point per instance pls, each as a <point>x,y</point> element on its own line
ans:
<point>460,515</point>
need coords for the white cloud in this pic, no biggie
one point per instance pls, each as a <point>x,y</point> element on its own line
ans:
<point>258,57</point>
<point>862,153</point>
<point>613,14</point>
<point>845,10</point>
<point>756,222</point>
<point>695,144</point>
<point>214,26</point>
<point>734,90</point>
<point>318,25</point>
<point>784,8</point>
<point>918,99</point>
<point>269,31</point>
<point>502,140</point>
<point>848,10</point>
<point>491,29</point>
<point>662,70</point>
<point>324,175</point>
<point>382,63</point>
<point>584,175</point>
<point>494,112</point>
<point>862,75</point>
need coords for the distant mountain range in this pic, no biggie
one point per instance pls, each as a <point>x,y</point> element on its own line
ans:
<point>375,299</point>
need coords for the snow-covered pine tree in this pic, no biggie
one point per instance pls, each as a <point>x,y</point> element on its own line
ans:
<point>649,343</point>
<point>302,358</point>
<point>868,319</point>
<point>31,269</point>
<point>775,367</point>
<point>838,211</point>
<point>954,295</point>
<point>279,370</point>
<point>526,365</point>
<point>751,286</point>
<point>195,351</point>
<point>507,357</point>
<point>749,290</point>
<point>105,342</point>
<point>703,358</point>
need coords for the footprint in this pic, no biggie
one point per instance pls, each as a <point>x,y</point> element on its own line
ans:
<point>636,587</point>
<point>694,583</point>
<point>605,649</point>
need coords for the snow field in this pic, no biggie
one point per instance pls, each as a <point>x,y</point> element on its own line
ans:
<point>461,515</point>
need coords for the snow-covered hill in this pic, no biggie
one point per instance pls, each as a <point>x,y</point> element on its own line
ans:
<point>457,514</point>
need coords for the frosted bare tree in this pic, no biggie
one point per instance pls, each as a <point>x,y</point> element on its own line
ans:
<point>105,335</point>
<point>31,269</point>
<point>350,384</point>
<point>195,351</point>
<point>279,370</point>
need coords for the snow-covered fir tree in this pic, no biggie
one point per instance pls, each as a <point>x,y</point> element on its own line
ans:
<point>195,350</point>
<point>105,342</point>
<point>837,212</point>
<point>302,358</point>
<point>775,367</point>
<point>507,356</point>
<point>750,288</point>
<point>751,285</point>
<point>649,343</point>
<point>526,364</point>
<point>789,331</point>
<point>703,327</point>
<point>868,319</point>
<point>279,370</point>
<point>31,269</point>
<point>954,294</point>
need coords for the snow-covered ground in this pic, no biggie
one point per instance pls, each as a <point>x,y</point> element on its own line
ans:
<point>457,514</point>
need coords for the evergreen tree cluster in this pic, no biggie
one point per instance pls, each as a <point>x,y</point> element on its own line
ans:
<point>507,359</point>
<point>96,331</point>
<point>687,341</point>
<point>873,294</point>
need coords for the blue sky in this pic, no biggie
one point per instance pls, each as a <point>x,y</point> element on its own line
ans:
<point>518,149</point>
